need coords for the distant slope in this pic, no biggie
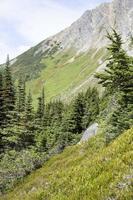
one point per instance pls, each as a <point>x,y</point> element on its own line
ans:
<point>90,171</point>
<point>65,72</point>
<point>66,61</point>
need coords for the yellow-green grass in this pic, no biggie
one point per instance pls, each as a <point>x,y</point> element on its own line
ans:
<point>63,72</point>
<point>91,171</point>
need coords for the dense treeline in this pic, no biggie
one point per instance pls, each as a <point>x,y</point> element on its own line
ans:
<point>22,126</point>
<point>28,136</point>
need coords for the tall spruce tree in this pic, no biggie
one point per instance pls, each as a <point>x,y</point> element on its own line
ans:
<point>21,103</point>
<point>118,71</point>
<point>27,137</point>
<point>21,96</point>
<point>9,94</point>
<point>72,121</point>
<point>43,101</point>
<point>117,79</point>
<point>2,113</point>
<point>39,118</point>
<point>91,107</point>
<point>29,109</point>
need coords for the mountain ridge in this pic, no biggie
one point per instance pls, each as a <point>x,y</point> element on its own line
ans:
<point>92,21</point>
<point>71,57</point>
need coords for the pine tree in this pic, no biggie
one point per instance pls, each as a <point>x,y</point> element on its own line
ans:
<point>39,118</point>
<point>21,96</point>
<point>91,107</point>
<point>72,121</point>
<point>2,113</point>
<point>94,104</point>
<point>27,136</point>
<point>29,109</point>
<point>78,112</point>
<point>127,89</point>
<point>118,71</point>
<point>20,105</point>
<point>9,94</point>
<point>39,115</point>
<point>43,102</point>
<point>117,79</point>
<point>54,112</point>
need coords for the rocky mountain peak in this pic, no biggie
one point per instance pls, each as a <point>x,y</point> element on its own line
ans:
<point>89,31</point>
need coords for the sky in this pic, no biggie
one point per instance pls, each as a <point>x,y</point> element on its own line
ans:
<point>24,23</point>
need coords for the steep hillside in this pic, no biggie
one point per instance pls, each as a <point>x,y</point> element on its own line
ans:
<point>65,74</point>
<point>66,62</point>
<point>90,171</point>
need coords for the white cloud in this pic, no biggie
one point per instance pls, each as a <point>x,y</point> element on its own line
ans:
<point>45,21</point>
<point>36,19</point>
<point>31,21</point>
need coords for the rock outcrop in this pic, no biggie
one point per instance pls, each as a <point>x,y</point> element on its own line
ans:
<point>89,31</point>
<point>90,132</point>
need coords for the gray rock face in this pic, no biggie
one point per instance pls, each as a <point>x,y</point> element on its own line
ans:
<point>89,31</point>
<point>91,131</point>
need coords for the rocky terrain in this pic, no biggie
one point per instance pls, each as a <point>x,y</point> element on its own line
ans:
<point>90,132</point>
<point>66,63</point>
<point>89,31</point>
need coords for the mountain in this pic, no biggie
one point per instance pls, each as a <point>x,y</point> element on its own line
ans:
<point>82,150</point>
<point>89,31</point>
<point>66,62</point>
<point>90,171</point>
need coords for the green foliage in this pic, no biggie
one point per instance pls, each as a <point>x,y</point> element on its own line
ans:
<point>2,113</point>
<point>121,119</point>
<point>28,65</point>
<point>88,171</point>
<point>30,136</point>
<point>117,75</point>
<point>72,121</point>
<point>15,165</point>
<point>61,72</point>
<point>21,96</point>
<point>9,95</point>
<point>39,118</point>
<point>47,130</point>
<point>91,107</point>
<point>117,79</point>
<point>81,112</point>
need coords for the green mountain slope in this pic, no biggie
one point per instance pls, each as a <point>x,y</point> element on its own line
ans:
<point>66,61</point>
<point>90,171</point>
<point>63,73</point>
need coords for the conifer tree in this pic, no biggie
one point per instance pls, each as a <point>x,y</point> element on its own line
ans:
<point>29,109</point>
<point>21,96</point>
<point>91,107</point>
<point>9,94</point>
<point>117,79</point>
<point>39,118</point>
<point>118,71</point>
<point>72,121</point>
<point>39,115</point>
<point>20,105</point>
<point>2,113</point>
<point>78,112</point>
<point>54,112</point>
<point>27,136</point>
<point>43,102</point>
